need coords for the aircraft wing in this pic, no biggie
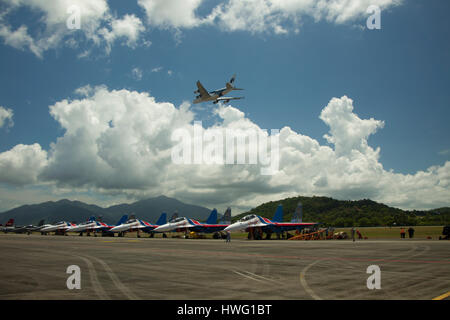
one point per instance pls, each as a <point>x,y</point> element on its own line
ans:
<point>202,90</point>
<point>209,228</point>
<point>228,98</point>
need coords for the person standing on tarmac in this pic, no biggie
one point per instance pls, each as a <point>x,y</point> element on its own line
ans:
<point>402,233</point>
<point>353,234</point>
<point>411,232</point>
<point>228,237</point>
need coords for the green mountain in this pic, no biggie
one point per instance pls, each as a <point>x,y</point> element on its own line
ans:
<point>361,213</point>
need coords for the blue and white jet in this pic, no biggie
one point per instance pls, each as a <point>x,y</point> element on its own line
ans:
<point>253,222</point>
<point>183,224</point>
<point>139,225</point>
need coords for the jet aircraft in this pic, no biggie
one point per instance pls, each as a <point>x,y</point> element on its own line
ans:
<point>96,226</point>
<point>185,224</point>
<point>139,225</point>
<point>29,228</point>
<point>255,224</point>
<point>58,228</point>
<point>9,226</point>
<point>216,95</point>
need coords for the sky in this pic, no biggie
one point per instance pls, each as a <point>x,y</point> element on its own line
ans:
<point>89,113</point>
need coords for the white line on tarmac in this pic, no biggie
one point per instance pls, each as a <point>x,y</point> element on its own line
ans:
<point>305,284</point>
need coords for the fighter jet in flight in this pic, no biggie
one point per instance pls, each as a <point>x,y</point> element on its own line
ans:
<point>216,95</point>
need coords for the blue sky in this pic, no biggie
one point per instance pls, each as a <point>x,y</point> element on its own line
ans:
<point>399,75</point>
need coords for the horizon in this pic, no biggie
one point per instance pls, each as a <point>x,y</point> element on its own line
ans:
<point>219,210</point>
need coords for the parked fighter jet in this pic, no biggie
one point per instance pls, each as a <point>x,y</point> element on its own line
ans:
<point>58,228</point>
<point>257,224</point>
<point>138,225</point>
<point>185,224</point>
<point>9,226</point>
<point>216,95</point>
<point>29,228</point>
<point>95,226</point>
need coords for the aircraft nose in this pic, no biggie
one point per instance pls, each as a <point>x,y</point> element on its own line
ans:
<point>161,228</point>
<point>231,227</point>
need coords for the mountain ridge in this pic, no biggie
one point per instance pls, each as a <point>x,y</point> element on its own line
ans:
<point>77,211</point>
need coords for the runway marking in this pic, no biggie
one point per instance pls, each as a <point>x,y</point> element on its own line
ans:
<point>246,276</point>
<point>94,279</point>
<point>255,276</point>
<point>305,284</point>
<point>116,280</point>
<point>442,296</point>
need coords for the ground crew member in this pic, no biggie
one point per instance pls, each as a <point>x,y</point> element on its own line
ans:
<point>228,237</point>
<point>359,234</point>
<point>411,232</point>
<point>402,233</point>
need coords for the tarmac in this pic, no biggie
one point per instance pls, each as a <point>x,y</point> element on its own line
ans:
<point>34,267</point>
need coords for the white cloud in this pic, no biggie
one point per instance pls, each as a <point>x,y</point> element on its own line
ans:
<point>101,28</point>
<point>119,142</point>
<point>129,28</point>
<point>172,13</point>
<point>22,164</point>
<point>97,25</point>
<point>157,69</point>
<point>136,73</point>
<point>6,117</point>
<point>275,15</point>
<point>256,16</point>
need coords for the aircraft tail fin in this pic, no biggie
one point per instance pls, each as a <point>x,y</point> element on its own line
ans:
<point>298,214</point>
<point>278,216</point>
<point>212,217</point>
<point>162,219</point>
<point>122,220</point>
<point>226,219</point>
<point>41,223</point>
<point>10,223</point>
<point>92,218</point>
<point>175,215</point>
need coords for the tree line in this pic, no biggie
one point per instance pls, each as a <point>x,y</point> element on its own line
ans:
<point>346,213</point>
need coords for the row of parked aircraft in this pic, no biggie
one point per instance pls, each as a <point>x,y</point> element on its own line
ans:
<point>254,224</point>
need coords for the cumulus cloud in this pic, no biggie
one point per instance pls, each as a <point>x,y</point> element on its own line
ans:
<point>6,117</point>
<point>120,142</point>
<point>128,28</point>
<point>101,28</point>
<point>256,16</point>
<point>279,16</point>
<point>22,164</point>
<point>97,25</point>
<point>172,13</point>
